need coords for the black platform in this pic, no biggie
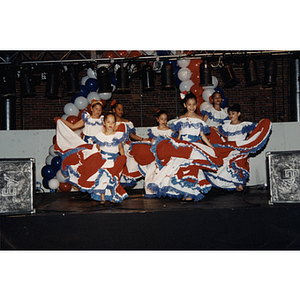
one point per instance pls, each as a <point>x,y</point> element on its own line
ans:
<point>221,221</point>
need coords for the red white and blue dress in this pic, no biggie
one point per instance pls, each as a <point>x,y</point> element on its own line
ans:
<point>91,127</point>
<point>92,171</point>
<point>149,170</point>
<point>215,117</point>
<point>242,139</point>
<point>131,172</point>
<point>180,162</point>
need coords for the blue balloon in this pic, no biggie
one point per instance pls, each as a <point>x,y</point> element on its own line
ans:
<point>92,84</point>
<point>113,80</point>
<point>48,171</point>
<point>217,89</point>
<point>176,69</point>
<point>45,183</point>
<point>162,52</point>
<point>224,102</point>
<point>56,162</point>
<point>84,91</point>
<point>73,99</point>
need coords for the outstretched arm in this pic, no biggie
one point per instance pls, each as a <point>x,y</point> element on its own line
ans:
<point>121,149</point>
<point>205,140</point>
<point>75,126</point>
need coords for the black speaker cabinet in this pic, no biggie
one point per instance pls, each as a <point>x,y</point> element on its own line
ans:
<point>17,182</point>
<point>283,175</point>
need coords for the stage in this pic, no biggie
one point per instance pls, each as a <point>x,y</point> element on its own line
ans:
<point>221,221</point>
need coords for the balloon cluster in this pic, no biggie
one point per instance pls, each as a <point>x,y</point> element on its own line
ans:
<point>53,178</point>
<point>187,78</point>
<point>52,175</point>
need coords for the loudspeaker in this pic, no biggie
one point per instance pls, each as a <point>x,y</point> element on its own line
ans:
<point>17,181</point>
<point>283,175</point>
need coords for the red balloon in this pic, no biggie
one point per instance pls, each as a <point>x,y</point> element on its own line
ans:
<point>195,78</point>
<point>122,53</point>
<point>72,119</point>
<point>194,65</point>
<point>111,54</point>
<point>54,139</point>
<point>134,54</point>
<point>197,90</point>
<point>103,102</point>
<point>199,102</point>
<point>65,186</point>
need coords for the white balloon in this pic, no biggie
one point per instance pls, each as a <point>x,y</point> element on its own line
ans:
<point>185,85</point>
<point>53,184</point>
<point>207,93</point>
<point>51,151</point>
<point>49,159</point>
<point>81,102</point>
<point>103,65</point>
<point>71,110</point>
<point>205,105</point>
<point>91,73</point>
<point>184,74</point>
<point>214,81</point>
<point>93,96</point>
<point>113,88</point>
<point>183,62</point>
<point>84,79</point>
<point>105,96</point>
<point>60,176</point>
<point>64,116</point>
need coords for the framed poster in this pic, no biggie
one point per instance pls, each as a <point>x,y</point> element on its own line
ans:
<point>283,175</point>
<point>17,182</point>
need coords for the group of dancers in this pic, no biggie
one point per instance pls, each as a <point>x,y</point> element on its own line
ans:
<point>183,160</point>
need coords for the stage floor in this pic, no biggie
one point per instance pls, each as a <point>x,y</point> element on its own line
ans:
<point>77,202</point>
<point>221,221</point>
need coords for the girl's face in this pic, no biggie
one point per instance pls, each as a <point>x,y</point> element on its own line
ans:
<point>162,120</point>
<point>217,99</point>
<point>96,111</point>
<point>191,105</point>
<point>110,123</point>
<point>234,116</point>
<point>119,110</point>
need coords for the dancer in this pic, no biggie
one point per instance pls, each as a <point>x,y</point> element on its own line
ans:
<point>142,153</point>
<point>93,171</point>
<point>91,124</point>
<point>214,116</point>
<point>131,172</point>
<point>118,110</point>
<point>162,129</point>
<point>242,138</point>
<point>110,145</point>
<point>181,161</point>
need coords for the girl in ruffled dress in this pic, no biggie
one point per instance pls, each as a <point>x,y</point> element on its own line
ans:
<point>242,138</point>
<point>131,172</point>
<point>181,161</point>
<point>162,129</point>
<point>214,116</point>
<point>91,124</point>
<point>142,151</point>
<point>94,168</point>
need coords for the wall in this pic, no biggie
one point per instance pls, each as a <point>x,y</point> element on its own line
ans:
<point>35,113</point>
<point>36,144</point>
